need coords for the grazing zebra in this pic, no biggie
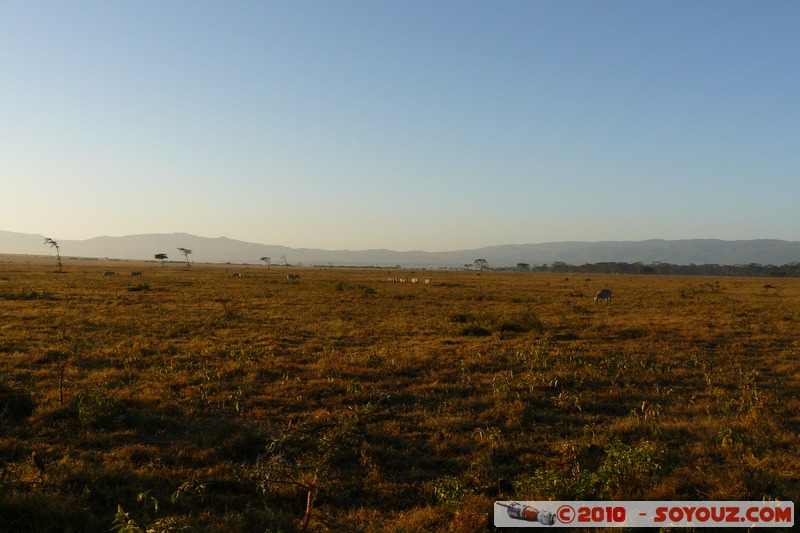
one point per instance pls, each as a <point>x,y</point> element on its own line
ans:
<point>293,277</point>
<point>136,274</point>
<point>237,275</point>
<point>603,294</point>
<point>108,274</point>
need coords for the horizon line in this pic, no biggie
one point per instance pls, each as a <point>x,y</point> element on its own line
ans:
<point>417,250</point>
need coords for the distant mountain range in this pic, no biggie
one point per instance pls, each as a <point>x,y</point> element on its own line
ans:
<point>224,250</point>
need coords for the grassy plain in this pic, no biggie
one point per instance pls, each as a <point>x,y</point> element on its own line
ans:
<point>193,400</point>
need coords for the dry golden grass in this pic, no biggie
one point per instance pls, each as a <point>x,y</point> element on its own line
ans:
<point>192,399</point>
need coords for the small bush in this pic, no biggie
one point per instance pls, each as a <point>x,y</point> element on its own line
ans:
<point>476,331</point>
<point>450,491</point>
<point>15,403</point>
<point>514,327</point>
<point>94,408</point>
<point>459,318</point>
<point>368,291</point>
<point>522,323</point>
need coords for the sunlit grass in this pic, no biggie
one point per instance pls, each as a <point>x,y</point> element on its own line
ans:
<point>188,398</point>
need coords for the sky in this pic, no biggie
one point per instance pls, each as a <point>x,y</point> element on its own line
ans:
<point>407,125</point>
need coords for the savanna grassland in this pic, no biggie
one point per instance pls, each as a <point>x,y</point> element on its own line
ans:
<point>187,399</point>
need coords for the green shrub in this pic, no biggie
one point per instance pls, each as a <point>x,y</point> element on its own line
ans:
<point>626,472</point>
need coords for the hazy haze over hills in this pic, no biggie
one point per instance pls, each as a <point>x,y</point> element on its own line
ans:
<point>223,250</point>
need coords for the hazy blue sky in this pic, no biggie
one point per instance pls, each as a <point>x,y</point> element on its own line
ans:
<point>401,124</point>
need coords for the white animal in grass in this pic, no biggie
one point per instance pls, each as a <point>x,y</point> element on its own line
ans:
<point>603,294</point>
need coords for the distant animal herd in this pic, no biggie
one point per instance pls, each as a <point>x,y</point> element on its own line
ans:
<point>603,295</point>
<point>406,280</point>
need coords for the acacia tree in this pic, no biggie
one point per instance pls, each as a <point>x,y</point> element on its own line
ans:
<point>310,457</point>
<point>54,244</point>
<point>481,264</point>
<point>162,258</point>
<point>267,260</point>
<point>186,252</point>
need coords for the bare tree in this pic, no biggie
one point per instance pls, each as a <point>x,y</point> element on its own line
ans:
<point>285,262</point>
<point>162,258</point>
<point>186,252</point>
<point>267,260</point>
<point>54,244</point>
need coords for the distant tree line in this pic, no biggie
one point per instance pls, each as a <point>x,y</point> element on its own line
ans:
<point>752,269</point>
